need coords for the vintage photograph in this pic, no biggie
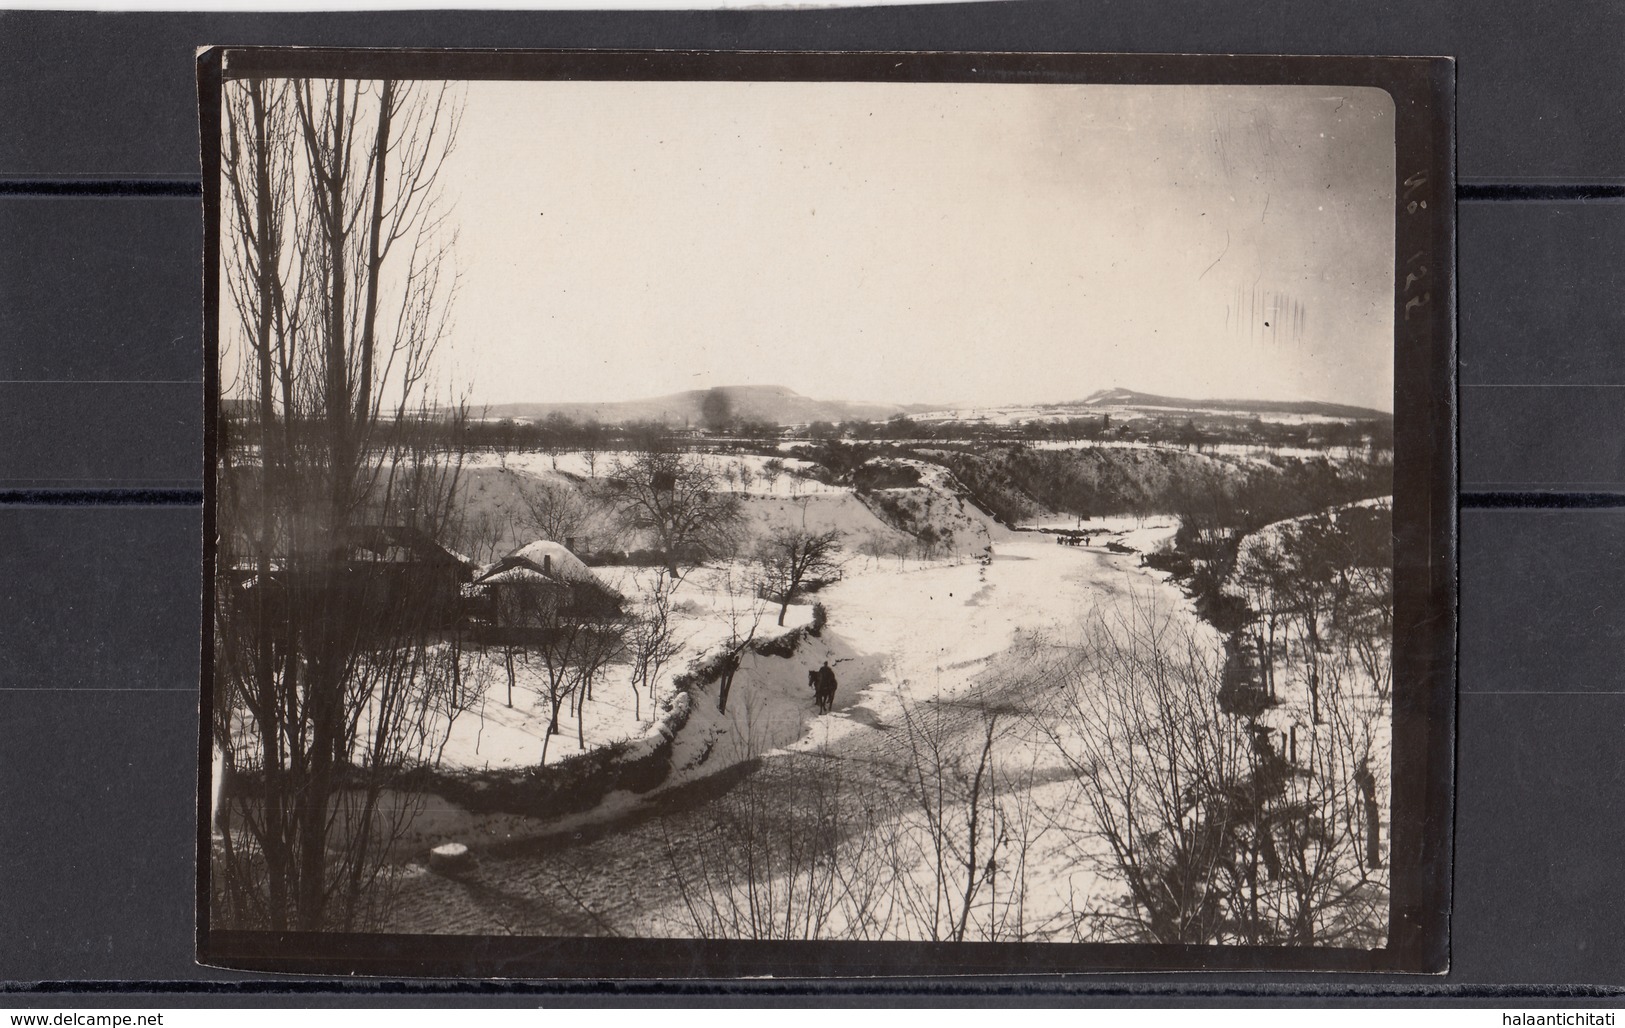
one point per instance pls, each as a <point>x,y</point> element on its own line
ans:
<point>729,509</point>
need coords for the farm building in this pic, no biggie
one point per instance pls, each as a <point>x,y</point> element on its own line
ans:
<point>543,575</point>
<point>379,579</point>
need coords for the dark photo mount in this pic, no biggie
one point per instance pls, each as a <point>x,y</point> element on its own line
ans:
<point>1419,826</point>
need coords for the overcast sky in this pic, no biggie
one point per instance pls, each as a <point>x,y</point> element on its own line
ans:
<point>968,244</point>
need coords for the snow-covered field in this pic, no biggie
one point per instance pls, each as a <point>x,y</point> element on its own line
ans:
<point>945,656</point>
<point>744,473</point>
<point>500,729</point>
<point>503,727</point>
<point>912,643</point>
<point>493,487</point>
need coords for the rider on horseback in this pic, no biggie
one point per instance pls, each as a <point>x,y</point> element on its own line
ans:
<point>823,686</point>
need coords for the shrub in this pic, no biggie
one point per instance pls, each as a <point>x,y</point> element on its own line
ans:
<point>780,646</point>
<point>1227,612</point>
<point>1173,562</point>
<point>1241,693</point>
<point>885,476</point>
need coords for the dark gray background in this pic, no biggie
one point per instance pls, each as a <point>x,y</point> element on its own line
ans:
<point>100,404</point>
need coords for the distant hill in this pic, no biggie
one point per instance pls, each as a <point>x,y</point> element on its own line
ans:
<point>779,405</point>
<point>774,404</point>
<point>1130,398</point>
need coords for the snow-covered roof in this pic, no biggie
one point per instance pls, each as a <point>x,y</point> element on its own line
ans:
<point>396,544</point>
<point>543,561</point>
<point>566,565</point>
<point>520,573</point>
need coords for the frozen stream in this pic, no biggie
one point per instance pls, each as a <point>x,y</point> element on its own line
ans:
<point>933,637</point>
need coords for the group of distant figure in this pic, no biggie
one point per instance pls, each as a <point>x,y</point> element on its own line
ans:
<point>1081,539</point>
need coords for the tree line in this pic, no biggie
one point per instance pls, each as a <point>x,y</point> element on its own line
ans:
<point>558,432</point>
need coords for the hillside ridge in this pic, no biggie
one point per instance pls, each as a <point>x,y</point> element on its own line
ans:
<point>1129,398</point>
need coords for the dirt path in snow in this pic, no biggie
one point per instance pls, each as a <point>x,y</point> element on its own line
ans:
<point>920,644</point>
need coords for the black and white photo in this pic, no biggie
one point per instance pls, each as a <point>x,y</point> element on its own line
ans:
<point>740,506</point>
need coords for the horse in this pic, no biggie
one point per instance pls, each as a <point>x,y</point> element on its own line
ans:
<point>823,687</point>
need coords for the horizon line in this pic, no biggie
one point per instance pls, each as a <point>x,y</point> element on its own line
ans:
<point>926,407</point>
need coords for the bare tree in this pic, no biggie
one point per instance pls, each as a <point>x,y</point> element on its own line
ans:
<point>652,638</point>
<point>1139,725</point>
<point>1261,574</point>
<point>1364,619</point>
<point>773,470</point>
<point>523,605</point>
<point>481,534</point>
<point>792,855</point>
<point>743,617</point>
<point>789,557</point>
<point>958,841</point>
<point>678,501</point>
<point>1327,571</point>
<point>554,510</point>
<point>935,846</point>
<point>333,257</point>
<point>1329,887</point>
<point>1213,834</point>
<point>573,646</point>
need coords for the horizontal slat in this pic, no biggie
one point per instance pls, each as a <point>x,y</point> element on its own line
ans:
<point>1542,438</point>
<point>1542,601</point>
<point>65,435</point>
<point>101,289</point>
<point>1541,782</point>
<point>97,870</point>
<point>1540,293</point>
<point>1539,94</point>
<point>104,599</point>
<point>99,694</point>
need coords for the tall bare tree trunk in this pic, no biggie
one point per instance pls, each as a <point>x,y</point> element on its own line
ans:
<point>375,260</point>
<point>301,177</point>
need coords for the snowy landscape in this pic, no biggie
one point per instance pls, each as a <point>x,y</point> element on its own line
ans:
<point>783,661</point>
